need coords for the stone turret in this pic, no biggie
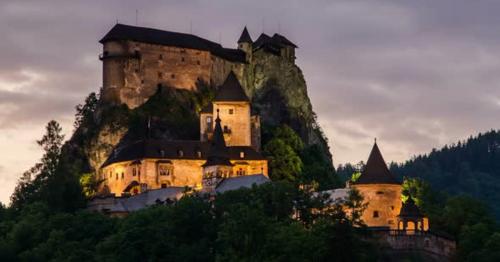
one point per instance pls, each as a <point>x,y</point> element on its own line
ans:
<point>380,190</point>
<point>245,44</point>
<point>218,166</point>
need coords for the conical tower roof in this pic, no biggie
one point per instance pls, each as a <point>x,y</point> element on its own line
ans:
<point>231,91</point>
<point>410,209</point>
<point>245,37</point>
<point>376,171</point>
<point>218,153</point>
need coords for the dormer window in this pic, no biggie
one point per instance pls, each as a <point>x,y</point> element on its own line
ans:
<point>242,154</point>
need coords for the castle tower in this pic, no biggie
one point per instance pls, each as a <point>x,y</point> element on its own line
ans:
<point>217,167</point>
<point>245,43</point>
<point>380,190</point>
<point>233,105</point>
<point>410,219</point>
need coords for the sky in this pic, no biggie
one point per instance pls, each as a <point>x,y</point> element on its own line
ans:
<point>414,74</point>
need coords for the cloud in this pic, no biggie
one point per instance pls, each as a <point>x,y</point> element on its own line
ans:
<point>414,74</point>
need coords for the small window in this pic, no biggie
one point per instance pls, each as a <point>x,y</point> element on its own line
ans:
<point>180,153</point>
<point>231,111</point>
<point>160,57</point>
<point>198,153</point>
<point>375,214</point>
<point>198,62</point>
<point>163,185</point>
<point>162,153</point>
<point>380,193</point>
<point>123,175</point>
<point>142,81</point>
<point>209,120</point>
<point>134,171</point>
<point>116,176</point>
<point>110,174</point>
<point>242,154</point>
<point>392,207</point>
<point>136,70</point>
<point>182,59</point>
<point>172,76</point>
<point>160,74</point>
<point>226,129</point>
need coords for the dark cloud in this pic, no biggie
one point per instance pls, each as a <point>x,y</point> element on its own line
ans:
<point>415,74</point>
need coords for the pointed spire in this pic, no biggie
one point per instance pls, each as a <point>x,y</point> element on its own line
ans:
<point>231,90</point>
<point>410,209</point>
<point>218,153</point>
<point>376,171</point>
<point>245,37</point>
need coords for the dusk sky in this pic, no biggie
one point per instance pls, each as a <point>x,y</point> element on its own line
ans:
<point>415,74</point>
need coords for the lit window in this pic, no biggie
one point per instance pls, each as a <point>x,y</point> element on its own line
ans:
<point>198,153</point>
<point>375,214</point>
<point>180,153</point>
<point>242,154</point>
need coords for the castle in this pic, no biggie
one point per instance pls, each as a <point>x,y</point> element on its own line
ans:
<point>136,60</point>
<point>139,61</point>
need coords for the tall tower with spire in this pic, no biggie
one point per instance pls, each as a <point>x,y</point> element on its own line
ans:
<point>381,190</point>
<point>218,165</point>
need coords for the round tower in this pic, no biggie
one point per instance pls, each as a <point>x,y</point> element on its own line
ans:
<point>245,44</point>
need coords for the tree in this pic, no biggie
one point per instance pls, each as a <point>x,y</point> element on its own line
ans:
<point>284,163</point>
<point>85,113</point>
<point>33,182</point>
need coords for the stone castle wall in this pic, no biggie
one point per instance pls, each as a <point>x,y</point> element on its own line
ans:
<point>132,70</point>
<point>384,204</point>
<point>186,172</point>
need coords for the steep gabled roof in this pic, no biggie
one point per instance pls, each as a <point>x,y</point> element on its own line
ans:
<point>161,37</point>
<point>245,37</point>
<point>283,40</point>
<point>410,209</point>
<point>376,171</point>
<point>218,154</point>
<point>231,91</point>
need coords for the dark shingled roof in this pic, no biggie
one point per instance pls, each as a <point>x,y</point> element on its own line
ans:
<point>272,44</point>
<point>376,171</point>
<point>218,154</point>
<point>160,37</point>
<point>168,149</point>
<point>231,90</point>
<point>245,37</point>
<point>410,209</point>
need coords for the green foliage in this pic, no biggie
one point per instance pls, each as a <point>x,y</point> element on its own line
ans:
<point>271,222</point>
<point>85,113</point>
<point>284,163</point>
<point>290,160</point>
<point>51,180</point>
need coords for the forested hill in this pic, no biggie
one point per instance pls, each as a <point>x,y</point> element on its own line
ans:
<point>469,167</point>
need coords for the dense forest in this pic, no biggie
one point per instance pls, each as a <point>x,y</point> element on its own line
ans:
<point>470,167</point>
